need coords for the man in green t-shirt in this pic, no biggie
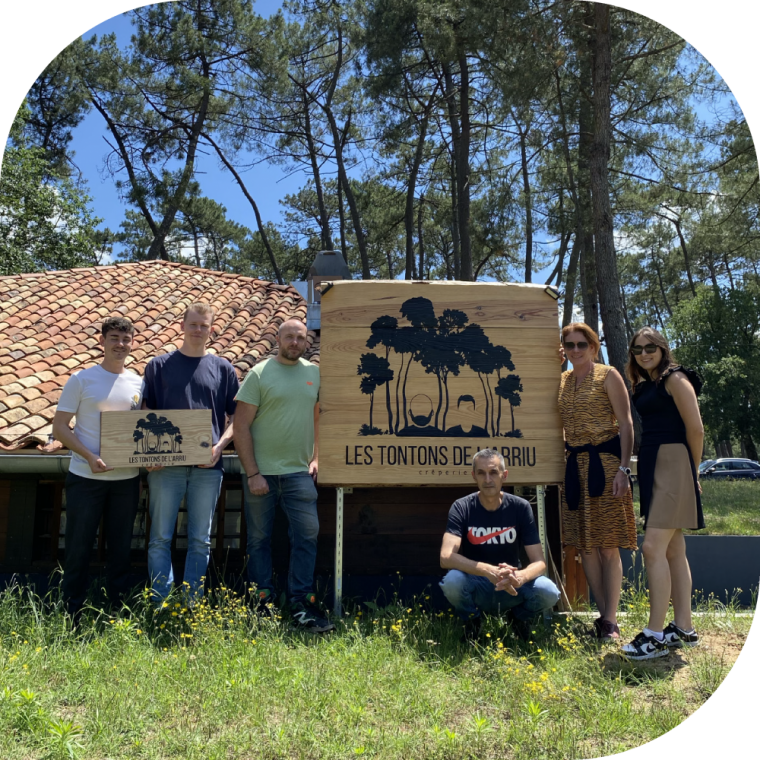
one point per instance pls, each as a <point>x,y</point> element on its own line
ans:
<point>276,437</point>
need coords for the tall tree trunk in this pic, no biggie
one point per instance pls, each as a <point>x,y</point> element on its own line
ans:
<point>450,91</point>
<point>657,269</point>
<point>138,197</point>
<point>249,197</point>
<point>685,250</point>
<point>585,148</point>
<point>571,279</point>
<point>527,202</point>
<point>342,222</point>
<point>410,191</point>
<point>463,170</point>
<point>338,141</point>
<point>728,271</point>
<point>749,446</point>
<point>608,282</point>
<point>187,173</point>
<point>195,246</point>
<point>420,243</point>
<point>324,219</point>
<point>353,208</point>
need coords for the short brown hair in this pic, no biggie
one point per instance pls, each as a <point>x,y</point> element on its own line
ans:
<point>587,332</point>
<point>199,308</point>
<point>117,324</point>
<point>637,374</point>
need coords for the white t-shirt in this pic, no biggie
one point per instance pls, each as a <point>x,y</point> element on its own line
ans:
<point>88,393</point>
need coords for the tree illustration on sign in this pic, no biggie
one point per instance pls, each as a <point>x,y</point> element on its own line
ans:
<point>509,389</point>
<point>444,346</point>
<point>375,370</point>
<point>156,435</point>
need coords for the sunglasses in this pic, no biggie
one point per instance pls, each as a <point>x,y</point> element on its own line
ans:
<point>581,345</point>
<point>650,348</point>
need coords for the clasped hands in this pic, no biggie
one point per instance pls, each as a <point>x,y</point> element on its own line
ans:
<point>506,578</point>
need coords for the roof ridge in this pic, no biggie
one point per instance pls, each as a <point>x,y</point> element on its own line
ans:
<point>149,263</point>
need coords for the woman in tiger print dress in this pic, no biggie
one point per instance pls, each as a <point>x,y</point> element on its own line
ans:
<point>597,504</point>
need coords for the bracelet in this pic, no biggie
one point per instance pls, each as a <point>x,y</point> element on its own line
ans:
<point>248,477</point>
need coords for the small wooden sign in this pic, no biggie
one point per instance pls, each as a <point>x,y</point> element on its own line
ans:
<point>147,438</point>
<point>417,377</point>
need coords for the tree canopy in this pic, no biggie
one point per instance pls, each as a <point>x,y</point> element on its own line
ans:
<point>437,140</point>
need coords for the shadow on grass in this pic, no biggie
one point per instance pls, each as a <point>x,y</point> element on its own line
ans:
<point>643,672</point>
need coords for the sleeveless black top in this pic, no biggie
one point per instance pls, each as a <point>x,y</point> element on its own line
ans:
<point>661,423</point>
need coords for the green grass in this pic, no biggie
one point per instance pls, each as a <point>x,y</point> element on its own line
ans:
<point>731,507</point>
<point>391,683</point>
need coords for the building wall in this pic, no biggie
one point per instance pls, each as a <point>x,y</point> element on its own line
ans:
<point>386,530</point>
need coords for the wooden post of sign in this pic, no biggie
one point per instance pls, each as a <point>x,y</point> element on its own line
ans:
<point>338,552</point>
<point>541,514</point>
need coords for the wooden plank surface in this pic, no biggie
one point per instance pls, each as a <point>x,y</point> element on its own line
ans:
<point>359,304</point>
<point>166,437</point>
<point>413,385</point>
<point>535,351</point>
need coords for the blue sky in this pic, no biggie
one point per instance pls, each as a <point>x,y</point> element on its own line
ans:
<point>268,184</point>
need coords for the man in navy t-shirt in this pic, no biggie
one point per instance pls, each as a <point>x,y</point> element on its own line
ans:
<point>481,552</point>
<point>189,378</point>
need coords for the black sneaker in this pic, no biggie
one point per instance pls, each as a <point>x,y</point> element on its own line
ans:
<point>264,604</point>
<point>677,637</point>
<point>645,647</point>
<point>472,628</point>
<point>307,616</point>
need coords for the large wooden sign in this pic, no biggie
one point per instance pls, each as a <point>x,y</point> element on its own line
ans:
<point>166,437</point>
<point>416,377</point>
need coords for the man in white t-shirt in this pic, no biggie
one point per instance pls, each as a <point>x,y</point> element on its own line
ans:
<point>93,489</point>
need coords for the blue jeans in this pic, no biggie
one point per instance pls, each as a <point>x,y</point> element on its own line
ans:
<point>297,495</point>
<point>168,486</point>
<point>470,595</point>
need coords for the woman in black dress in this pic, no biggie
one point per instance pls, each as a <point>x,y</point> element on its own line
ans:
<point>665,395</point>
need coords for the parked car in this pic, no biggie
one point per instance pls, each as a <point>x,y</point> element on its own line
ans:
<point>723,469</point>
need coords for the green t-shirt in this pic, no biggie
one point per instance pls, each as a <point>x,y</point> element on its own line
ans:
<point>283,430</point>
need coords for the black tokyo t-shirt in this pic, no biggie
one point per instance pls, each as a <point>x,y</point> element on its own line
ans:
<point>493,537</point>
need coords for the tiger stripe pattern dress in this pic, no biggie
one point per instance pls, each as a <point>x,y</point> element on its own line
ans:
<point>604,522</point>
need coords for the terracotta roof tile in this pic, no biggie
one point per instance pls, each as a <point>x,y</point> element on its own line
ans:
<point>35,422</point>
<point>13,401</point>
<point>36,405</point>
<point>13,415</point>
<point>13,432</point>
<point>50,324</point>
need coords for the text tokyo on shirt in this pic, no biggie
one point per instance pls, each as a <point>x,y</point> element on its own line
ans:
<point>496,536</point>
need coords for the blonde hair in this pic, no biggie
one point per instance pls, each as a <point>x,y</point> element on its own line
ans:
<point>199,308</point>
<point>587,332</point>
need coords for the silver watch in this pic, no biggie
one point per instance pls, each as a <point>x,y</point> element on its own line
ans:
<point>626,470</point>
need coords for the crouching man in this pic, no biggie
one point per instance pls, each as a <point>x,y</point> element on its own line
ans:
<point>481,552</point>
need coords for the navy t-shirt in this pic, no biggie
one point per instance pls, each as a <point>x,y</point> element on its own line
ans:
<point>176,381</point>
<point>496,536</point>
